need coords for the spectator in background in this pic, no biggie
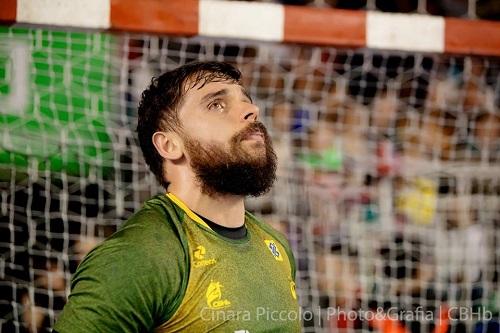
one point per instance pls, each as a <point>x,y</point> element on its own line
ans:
<point>407,135</point>
<point>463,257</point>
<point>464,254</point>
<point>324,176</point>
<point>407,285</point>
<point>486,130</point>
<point>50,282</point>
<point>33,315</point>
<point>476,95</point>
<point>350,120</point>
<point>281,125</point>
<point>438,134</point>
<point>310,82</point>
<point>431,135</point>
<point>443,93</point>
<point>339,285</point>
<point>384,111</point>
<point>260,72</point>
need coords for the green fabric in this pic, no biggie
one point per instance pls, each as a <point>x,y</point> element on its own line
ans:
<point>146,276</point>
<point>134,280</point>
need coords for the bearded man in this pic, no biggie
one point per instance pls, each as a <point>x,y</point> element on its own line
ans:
<point>193,259</point>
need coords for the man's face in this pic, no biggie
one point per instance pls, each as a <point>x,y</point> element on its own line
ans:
<point>229,151</point>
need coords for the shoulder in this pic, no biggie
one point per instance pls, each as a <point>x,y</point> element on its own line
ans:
<point>140,271</point>
<point>150,239</point>
<point>152,234</point>
<point>156,213</point>
<point>276,235</point>
<point>156,227</point>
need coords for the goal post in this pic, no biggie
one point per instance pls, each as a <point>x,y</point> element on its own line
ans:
<point>386,128</point>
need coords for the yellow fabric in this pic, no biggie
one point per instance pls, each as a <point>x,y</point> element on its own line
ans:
<point>186,209</point>
<point>235,285</point>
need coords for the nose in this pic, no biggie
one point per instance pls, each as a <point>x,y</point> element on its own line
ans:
<point>250,112</point>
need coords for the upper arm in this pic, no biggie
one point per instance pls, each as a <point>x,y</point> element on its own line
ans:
<point>125,285</point>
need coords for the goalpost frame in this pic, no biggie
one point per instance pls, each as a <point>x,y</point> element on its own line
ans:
<point>265,22</point>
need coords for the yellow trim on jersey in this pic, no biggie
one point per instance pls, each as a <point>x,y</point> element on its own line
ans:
<point>186,209</point>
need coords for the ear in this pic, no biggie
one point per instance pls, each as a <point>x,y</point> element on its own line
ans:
<point>168,145</point>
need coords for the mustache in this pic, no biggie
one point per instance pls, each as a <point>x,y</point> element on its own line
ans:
<point>250,129</point>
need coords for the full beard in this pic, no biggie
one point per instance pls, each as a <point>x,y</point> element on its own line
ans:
<point>233,171</point>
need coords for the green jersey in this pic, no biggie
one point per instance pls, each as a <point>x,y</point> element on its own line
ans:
<point>165,270</point>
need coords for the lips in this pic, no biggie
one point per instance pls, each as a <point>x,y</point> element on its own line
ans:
<point>255,132</point>
<point>255,135</point>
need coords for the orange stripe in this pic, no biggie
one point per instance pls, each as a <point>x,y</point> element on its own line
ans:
<point>8,10</point>
<point>325,26</point>
<point>176,17</point>
<point>302,24</point>
<point>472,37</point>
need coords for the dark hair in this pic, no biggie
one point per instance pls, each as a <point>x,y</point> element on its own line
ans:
<point>158,109</point>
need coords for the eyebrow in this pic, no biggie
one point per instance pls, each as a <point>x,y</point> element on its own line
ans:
<point>221,93</point>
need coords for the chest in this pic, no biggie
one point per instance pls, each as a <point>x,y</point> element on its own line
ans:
<point>236,285</point>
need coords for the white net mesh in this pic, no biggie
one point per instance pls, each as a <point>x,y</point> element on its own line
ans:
<point>388,179</point>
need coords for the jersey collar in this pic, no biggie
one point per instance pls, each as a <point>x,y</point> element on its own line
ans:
<point>186,210</point>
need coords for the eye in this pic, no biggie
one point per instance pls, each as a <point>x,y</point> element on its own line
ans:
<point>216,106</point>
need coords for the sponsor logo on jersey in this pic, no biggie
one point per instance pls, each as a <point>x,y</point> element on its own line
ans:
<point>199,257</point>
<point>271,245</point>
<point>214,296</point>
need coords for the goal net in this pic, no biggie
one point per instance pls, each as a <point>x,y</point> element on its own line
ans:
<point>388,178</point>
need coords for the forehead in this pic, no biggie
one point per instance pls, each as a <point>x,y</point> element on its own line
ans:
<point>197,93</point>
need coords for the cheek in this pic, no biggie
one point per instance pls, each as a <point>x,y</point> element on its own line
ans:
<point>207,131</point>
<point>213,137</point>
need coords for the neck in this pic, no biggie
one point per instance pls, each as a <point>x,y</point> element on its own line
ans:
<point>225,210</point>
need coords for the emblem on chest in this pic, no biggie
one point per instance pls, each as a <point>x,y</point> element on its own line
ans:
<point>271,245</point>
<point>200,257</point>
<point>214,296</point>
